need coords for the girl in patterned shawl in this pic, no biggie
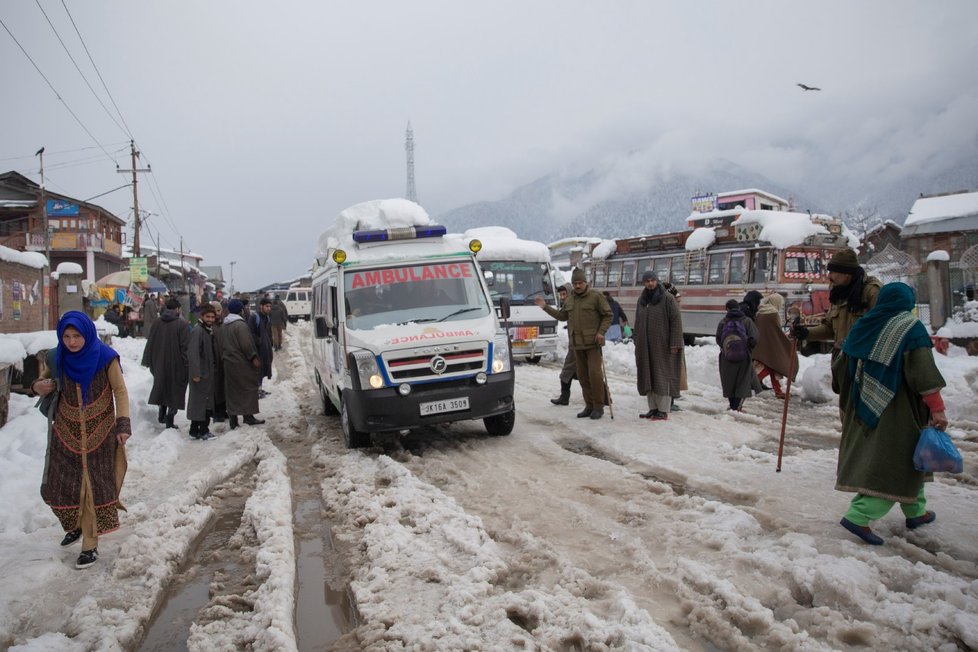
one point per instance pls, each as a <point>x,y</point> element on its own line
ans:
<point>889,389</point>
<point>85,461</point>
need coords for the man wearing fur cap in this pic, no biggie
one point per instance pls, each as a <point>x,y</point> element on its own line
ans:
<point>852,294</point>
<point>588,317</point>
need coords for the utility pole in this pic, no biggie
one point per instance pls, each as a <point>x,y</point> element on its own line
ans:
<point>45,321</point>
<point>233,263</point>
<point>412,192</point>
<point>183,269</point>
<point>135,196</point>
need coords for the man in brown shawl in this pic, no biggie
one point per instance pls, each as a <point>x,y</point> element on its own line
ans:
<point>241,367</point>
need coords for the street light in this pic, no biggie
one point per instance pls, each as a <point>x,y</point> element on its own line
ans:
<point>233,263</point>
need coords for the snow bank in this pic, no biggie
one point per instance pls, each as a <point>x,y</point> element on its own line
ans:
<point>27,258</point>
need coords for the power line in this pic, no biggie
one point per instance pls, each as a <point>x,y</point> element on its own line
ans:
<point>64,151</point>
<point>56,94</point>
<point>104,85</point>
<point>84,78</point>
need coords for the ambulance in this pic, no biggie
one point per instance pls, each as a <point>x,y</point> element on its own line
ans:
<point>405,333</point>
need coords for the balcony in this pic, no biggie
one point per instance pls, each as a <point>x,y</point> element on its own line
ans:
<point>67,241</point>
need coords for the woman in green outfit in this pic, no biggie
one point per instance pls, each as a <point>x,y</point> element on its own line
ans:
<point>889,389</point>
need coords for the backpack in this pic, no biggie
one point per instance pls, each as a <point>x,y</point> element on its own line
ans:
<point>733,341</point>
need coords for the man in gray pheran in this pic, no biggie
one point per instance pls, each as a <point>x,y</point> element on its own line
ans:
<point>241,367</point>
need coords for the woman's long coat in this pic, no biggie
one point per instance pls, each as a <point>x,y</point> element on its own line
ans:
<point>240,375</point>
<point>773,346</point>
<point>200,353</point>
<point>735,377</point>
<point>879,461</point>
<point>658,329</point>
<point>166,356</point>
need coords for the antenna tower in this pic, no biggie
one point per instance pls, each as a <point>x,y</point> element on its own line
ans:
<point>412,192</point>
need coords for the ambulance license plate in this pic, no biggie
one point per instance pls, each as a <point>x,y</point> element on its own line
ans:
<point>448,405</point>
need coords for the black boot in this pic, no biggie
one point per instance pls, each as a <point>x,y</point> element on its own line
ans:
<point>252,421</point>
<point>195,429</point>
<point>583,414</point>
<point>162,414</point>
<point>564,398</point>
<point>233,421</point>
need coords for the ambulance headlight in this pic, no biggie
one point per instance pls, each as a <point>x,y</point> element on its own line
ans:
<point>367,370</point>
<point>500,353</point>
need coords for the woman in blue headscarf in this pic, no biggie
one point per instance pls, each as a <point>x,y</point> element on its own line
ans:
<point>889,389</point>
<point>85,461</point>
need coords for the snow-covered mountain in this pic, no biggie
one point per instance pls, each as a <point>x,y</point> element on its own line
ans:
<point>627,196</point>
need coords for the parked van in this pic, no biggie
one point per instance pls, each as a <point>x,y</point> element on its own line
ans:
<point>298,301</point>
<point>520,271</point>
<point>405,333</point>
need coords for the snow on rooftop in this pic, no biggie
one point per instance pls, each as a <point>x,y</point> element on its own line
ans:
<point>786,229</point>
<point>605,249</point>
<point>500,243</point>
<point>751,191</point>
<point>935,209</point>
<point>938,254</point>
<point>701,238</point>
<point>383,214</point>
<point>29,258</point>
<point>70,268</point>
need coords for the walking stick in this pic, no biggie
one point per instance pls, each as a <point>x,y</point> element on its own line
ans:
<point>607,392</point>
<point>787,397</point>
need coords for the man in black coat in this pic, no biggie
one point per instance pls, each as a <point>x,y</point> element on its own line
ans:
<point>261,330</point>
<point>166,356</point>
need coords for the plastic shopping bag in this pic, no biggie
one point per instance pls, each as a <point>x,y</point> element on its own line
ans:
<point>936,452</point>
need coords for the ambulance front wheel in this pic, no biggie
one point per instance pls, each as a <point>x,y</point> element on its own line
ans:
<point>500,425</point>
<point>352,437</point>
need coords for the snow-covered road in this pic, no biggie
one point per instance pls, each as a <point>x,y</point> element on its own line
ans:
<point>567,534</point>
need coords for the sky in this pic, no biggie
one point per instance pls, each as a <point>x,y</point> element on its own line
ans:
<point>263,121</point>
<point>622,533</point>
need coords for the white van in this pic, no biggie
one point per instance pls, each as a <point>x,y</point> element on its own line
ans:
<point>405,333</point>
<point>520,271</point>
<point>298,301</point>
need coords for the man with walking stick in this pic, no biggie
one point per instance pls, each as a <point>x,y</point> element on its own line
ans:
<point>588,317</point>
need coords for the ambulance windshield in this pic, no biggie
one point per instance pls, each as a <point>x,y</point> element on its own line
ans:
<point>428,292</point>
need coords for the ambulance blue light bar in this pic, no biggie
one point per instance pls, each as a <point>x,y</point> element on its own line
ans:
<point>400,233</point>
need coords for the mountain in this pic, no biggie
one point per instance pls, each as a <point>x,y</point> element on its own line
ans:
<point>628,196</point>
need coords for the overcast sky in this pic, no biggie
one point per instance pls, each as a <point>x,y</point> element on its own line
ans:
<point>263,120</point>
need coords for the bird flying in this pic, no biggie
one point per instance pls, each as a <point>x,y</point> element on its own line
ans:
<point>809,88</point>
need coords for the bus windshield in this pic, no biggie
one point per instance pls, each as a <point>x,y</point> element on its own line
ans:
<point>521,281</point>
<point>430,292</point>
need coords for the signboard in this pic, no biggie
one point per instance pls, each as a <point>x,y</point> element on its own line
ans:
<point>409,275</point>
<point>138,272</point>
<point>704,203</point>
<point>61,208</point>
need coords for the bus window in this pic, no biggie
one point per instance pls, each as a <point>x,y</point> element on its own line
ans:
<point>614,273</point>
<point>600,275</point>
<point>799,264</point>
<point>678,275</point>
<point>759,266</point>
<point>628,273</point>
<point>718,268</point>
<point>661,268</point>
<point>644,265</point>
<point>697,261</point>
<point>736,268</point>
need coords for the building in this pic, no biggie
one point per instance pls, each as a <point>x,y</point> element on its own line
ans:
<point>80,232</point>
<point>876,239</point>
<point>949,222</point>
<point>179,271</point>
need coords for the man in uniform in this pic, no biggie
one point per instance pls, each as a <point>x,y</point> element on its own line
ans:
<point>588,317</point>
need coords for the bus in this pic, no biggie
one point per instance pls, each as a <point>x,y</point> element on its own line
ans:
<point>520,271</point>
<point>725,254</point>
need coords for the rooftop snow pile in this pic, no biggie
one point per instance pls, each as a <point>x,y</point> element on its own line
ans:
<point>785,229</point>
<point>380,214</point>
<point>935,209</point>
<point>28,258</point>
<point>605,249</point>
<point>70,268</point>
<point>701,238</point>
<point>500,243</point>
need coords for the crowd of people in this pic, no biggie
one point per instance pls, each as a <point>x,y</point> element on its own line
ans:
<point>882,368</point>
